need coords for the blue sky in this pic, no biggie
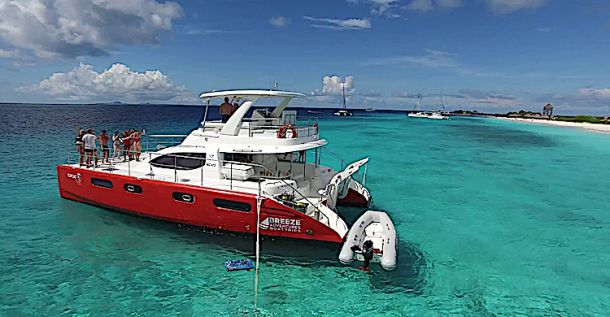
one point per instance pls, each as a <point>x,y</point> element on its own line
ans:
<point>491,55</point>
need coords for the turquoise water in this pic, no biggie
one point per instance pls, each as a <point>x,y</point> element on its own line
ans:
<point>495,219</point>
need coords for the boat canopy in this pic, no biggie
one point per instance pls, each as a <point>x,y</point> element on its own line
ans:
<point>251,94</point>
<point>271,149</point>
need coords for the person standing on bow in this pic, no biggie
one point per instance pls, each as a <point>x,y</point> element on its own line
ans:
<point>226,110</point>
<point>90,147</point>
<point>104,138</point>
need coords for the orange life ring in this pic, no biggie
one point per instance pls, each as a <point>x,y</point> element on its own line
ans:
<point>281,132</point>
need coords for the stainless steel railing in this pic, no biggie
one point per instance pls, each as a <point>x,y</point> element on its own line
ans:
<point>112,167</point>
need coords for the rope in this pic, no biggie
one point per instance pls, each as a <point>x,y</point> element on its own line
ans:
<point>259,200</point>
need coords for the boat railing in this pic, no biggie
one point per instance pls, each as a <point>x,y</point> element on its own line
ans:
<point>115,165</point>
<point>262,126</point>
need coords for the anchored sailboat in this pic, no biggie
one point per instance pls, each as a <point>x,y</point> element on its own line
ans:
<point>415,113</point>
<point>343,112</point>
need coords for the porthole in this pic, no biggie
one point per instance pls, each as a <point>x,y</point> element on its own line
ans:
<point>233,205</point>
<point>101,182</point>
<point>183,197</point>
<point>131,188</point>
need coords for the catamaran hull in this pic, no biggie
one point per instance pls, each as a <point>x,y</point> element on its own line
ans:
<point>191,205</point>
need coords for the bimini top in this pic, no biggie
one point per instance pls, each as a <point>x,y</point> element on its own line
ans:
<point>250,94</point>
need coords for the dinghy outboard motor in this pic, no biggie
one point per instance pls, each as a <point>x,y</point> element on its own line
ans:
<point>367,253</point>
<point>372,238</point>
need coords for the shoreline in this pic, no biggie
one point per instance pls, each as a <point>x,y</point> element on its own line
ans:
<point>596,127</point>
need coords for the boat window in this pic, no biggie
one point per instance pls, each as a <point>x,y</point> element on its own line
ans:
<point>238,157</point>
<point>181,161</point>
<point>101,182</point>
<point>137,189</point>
<point>233,205</point>
<point>183,197</point>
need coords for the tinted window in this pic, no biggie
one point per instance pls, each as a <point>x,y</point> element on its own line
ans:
<point>231,204</point>
<point>183,197</point>
<point>182,161</point>
<point>101,182</point>
<point>133,188</point>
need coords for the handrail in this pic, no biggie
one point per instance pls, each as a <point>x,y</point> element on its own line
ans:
<point>175,168</point>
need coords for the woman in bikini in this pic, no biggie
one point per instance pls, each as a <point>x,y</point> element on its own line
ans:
<point>116,149</point>
<point>136,143</point>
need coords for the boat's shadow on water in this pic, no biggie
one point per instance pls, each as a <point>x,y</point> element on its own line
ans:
<point>408,277</point>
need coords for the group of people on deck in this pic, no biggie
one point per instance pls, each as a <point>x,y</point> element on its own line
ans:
<point>127,144</point>
<point>227,109</point>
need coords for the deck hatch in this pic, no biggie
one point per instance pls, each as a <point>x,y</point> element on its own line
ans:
<point>101,182</point>
<point>233,205</point>
<point>181,161</point>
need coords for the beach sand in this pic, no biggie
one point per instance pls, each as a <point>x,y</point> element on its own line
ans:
<point>584,125</point>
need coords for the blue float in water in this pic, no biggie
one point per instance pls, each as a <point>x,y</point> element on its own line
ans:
<point>236,265</point>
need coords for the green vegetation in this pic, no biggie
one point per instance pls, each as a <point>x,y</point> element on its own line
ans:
<point>590,119</point>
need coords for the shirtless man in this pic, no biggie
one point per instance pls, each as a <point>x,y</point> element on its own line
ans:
<point>226,110</point>
<point>104,138</point>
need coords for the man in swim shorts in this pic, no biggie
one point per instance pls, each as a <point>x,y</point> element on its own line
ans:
<point>104,138</point>
<point>90,147</point>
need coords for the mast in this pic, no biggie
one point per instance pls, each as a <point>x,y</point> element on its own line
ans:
<point>344,106</point>
<point>442,103</point>
<point>418,101</point>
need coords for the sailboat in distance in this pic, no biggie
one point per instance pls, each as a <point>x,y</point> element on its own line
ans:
<point>438,115</point>
<point>343,112</point>
<point>415,113</point>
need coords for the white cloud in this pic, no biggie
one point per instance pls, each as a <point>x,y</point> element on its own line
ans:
<point>118,82</point>
<point>70,28</point>
<point>339,24</point>
<point>432,59</point>
<point>429,5</point>
<point>509,6</point>
<point>597,93</point>
<point>280,22</point>
<point>9,53</point>
<point>333,85</point>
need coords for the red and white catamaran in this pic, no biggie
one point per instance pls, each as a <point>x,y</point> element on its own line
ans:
<point>213,177</point>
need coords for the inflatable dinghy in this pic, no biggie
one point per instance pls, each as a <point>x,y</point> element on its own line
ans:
<point>372,238</point>
<point>236,265</point>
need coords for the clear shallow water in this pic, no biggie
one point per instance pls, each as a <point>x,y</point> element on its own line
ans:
<point>495,218</point>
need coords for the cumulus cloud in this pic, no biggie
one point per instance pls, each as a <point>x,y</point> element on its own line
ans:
<point>429,5</point>
<point>118,82</point>
<point>333,85</point>
<point>509,6</point>
<point>280,22</point>
<point>339,24</point>
<point>70,28</point>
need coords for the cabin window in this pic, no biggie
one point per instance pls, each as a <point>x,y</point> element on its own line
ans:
<point>183,197</point>
<point>101,182</point>
<point>233,205</point>
<point>238,157</point>
<point>131,188</point>
<point>181,161</point>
